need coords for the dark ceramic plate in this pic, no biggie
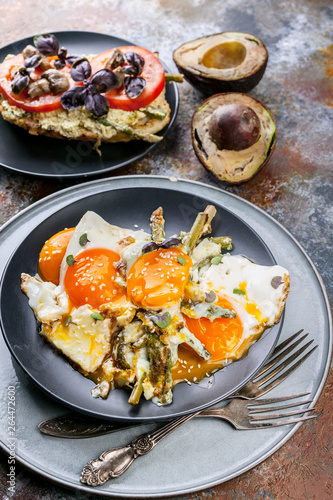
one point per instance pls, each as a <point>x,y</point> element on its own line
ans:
<point>47,157</point>
<point>124,207</point>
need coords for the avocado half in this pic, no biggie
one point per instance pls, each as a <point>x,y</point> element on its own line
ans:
<point>223,62</point>
<point>239,164</point>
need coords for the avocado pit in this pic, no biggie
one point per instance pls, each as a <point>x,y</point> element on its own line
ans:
<point>233,136</point>
<point>234,127</point>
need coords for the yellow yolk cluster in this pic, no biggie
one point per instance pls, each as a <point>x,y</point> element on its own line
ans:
<point>52,254</point>
<point>159,277</point>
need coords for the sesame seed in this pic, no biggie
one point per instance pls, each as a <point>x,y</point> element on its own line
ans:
<point>195,379</point>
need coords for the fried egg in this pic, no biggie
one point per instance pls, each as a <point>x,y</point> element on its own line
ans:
<point>80,273</point>
<point>254,293</point>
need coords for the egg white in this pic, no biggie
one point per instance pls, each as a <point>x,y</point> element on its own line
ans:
<point>261,305</point>
<point>101,234</point>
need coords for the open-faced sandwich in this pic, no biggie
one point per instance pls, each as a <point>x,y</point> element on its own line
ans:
<point>145,312</point>
<point>116,96</point>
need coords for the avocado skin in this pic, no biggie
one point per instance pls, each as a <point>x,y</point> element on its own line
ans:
<point>209,85</point>
<point>199,152</point>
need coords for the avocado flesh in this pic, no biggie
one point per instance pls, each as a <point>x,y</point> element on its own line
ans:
<point>233,166</point>
<point>224,62</point>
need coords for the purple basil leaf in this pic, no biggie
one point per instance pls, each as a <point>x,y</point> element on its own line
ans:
<point>134,86</point>
<point>47,45</point>
<point>19,83</point>
<point>149,247</point>
<point>23,71</point>
<point>170,242</point>
<point>104,80</point>
<point>97,104</point>
<point>81,70</point>
<point>59,63</point>
<point>135,60</point>
<point>74,98</point>
<point>62,54</point>
<point>276,281</point>
<point>33,61</point>
<point>130,70</point>
<point>210,296</point>
<point>72,59</point>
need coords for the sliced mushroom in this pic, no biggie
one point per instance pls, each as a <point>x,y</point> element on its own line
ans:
<point>57,80</point>
<point>30,50</point>
<point>116,60</point>
<point>120,75</point>
<point>38,88</point>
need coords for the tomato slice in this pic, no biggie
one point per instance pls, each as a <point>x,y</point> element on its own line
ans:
<point>44,103</point>
<point>152,72</point>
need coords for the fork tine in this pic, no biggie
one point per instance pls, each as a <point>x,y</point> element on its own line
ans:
<point>282,422</point>
<point>286,363</point>
<point>277,359</point>
<point>280,407</point>
<point>286,342</point>
<point>278,349</point>
<point>281,399</point>
<point>280,415</point>
<point>284,375</point>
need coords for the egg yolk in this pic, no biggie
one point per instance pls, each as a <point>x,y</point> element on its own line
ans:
<point>221,336</point>
<point>91,280</point>
<point>158,277</point>
<point>52,254</point>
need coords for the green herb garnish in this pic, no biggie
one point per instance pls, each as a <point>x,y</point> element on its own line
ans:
<point>216,260</point>
<point>163,320</point>
<point>96,316</point>
<point>239,291</point>
<point>181,260</point>
<point>68,320</point>
<point>70,260</point>
<point>83,239</point>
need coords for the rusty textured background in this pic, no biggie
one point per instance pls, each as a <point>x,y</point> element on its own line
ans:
<point>295,187</point>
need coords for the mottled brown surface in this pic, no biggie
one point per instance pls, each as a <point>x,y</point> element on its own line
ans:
<point>295,187</point>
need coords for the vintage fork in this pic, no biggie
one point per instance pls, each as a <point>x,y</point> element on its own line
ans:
<point>78,426</point>
<point>243,414</point>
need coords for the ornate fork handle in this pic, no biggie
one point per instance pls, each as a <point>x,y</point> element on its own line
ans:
<point>113,463</point>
